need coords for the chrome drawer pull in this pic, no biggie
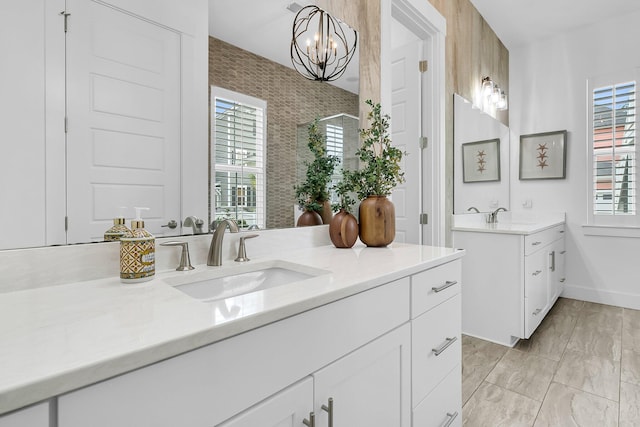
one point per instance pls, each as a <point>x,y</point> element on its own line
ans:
<point>562,280</point>
<point>535,273</point>
<point>535,313</point>
<point>444,346</point>
<point>535,243</point>
<point>311,422</point>
<point>561,231</point>
<point>329,410</point>
<point>563,252</point>
<point>451,418</point>
<point>446,285</point>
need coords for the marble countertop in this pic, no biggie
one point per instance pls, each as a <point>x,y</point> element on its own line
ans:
<point>60,338</point>
<point>508,223</point>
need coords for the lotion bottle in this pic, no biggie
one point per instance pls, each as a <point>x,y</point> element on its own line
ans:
<point>119,228</point>
<point>137,252</point>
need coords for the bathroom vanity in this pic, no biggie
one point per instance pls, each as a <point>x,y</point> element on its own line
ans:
<point>371,337</point>
<point>513,273</point>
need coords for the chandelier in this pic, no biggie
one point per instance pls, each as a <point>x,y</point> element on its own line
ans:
<point>319,47</point>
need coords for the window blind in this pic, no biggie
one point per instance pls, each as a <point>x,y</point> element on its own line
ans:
<point>238,154</point>
<point>614,150</point>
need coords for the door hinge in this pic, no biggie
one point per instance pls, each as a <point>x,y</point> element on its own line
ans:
<point>424,219</point>
<point>65,15</point>
<point>424,142</point>
<point>423,65</point>
<point>66,223</point>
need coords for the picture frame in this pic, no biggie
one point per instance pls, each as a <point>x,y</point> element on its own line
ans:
<point>481,161</point>
<point>543,155</point>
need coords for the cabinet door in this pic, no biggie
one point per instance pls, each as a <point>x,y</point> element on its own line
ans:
<point>34,416</point>
<point>369,387</point>
<point>535,290</point>
<point>287,408</point>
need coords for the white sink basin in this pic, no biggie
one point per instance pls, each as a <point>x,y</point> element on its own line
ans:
<point>215,284</point>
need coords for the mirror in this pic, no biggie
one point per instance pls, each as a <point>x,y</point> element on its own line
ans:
<point>481,144</point>
<point>254,68</point>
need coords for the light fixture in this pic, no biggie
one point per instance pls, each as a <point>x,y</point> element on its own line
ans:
<point>492,96</point>
<point>320,48</point>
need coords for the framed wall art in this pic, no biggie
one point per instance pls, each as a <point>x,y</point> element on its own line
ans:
<point>543,155</point>
<point>481,161</point>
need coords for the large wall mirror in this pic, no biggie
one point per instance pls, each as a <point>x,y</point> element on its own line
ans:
<point>256,162</point>
<point>258,30</point>
<point>481,159</point>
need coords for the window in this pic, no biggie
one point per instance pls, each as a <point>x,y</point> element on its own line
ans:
<point>612,114</point>
<point>335,147</point>
<point>238,140</point>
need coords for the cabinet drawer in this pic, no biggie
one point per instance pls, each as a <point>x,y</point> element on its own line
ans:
<point>437,329</point>
<point>430,288</point>
<point>443,405</point>
<point>536,241</point>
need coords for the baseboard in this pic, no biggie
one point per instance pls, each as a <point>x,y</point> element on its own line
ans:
<point>601,296</point>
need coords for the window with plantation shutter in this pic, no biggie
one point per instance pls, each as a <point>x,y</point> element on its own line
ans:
<point>238,134</point>
<point>612,117</point>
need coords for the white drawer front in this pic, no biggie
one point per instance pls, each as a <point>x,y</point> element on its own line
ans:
<point>438,329</point>
<point>430,288</point>
<point>534,242</point>
<point>443,405</point>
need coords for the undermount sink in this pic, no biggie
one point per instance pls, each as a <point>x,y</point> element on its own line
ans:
<point>214,285</point>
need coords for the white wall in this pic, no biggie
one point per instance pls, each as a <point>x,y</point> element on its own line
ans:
<point>548,92</point>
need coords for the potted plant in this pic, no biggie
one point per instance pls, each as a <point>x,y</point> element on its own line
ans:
<point>343,228</point>
<point>313,194</point>
<point>378,175</point>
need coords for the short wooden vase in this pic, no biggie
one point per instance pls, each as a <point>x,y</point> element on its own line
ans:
<point>309,218</point>
<point>377,221</point>
<point>343,229</point>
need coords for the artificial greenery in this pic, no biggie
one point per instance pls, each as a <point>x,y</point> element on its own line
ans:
<point>344,190</point>
<point>314,191</point>
<point>380,161</point>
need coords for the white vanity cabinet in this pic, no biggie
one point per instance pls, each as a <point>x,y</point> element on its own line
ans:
<point>33,416</point>
<point>512,279</point>
<point>378,358</point>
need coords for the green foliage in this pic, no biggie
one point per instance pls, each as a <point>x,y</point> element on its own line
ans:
<point>344,190</point>
<point>314,191</point>
<point>380,161</point>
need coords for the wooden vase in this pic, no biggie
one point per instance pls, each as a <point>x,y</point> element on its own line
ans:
<point>309,218</point>
<point>377,221</point>
<point>326,213</point>
<point>343,229</point>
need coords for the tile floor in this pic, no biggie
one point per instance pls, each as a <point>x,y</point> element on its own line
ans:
<point>580,368</point>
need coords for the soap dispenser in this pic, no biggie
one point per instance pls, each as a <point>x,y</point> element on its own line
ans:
<point>137,252</point>
<point>119,228</point>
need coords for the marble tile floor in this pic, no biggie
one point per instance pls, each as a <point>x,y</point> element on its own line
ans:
<point>580,368</point>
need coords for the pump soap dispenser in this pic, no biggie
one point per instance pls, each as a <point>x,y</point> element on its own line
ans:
<point>119,228</point>
<point>137,252</point>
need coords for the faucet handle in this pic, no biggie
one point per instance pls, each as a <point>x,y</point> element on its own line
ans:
<point>242,249</point>
<point>185,260</point>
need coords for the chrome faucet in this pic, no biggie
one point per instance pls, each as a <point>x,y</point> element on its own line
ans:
<point>492,217</point>
<point>215,250</point>
<point>473,208</point>
<point>194,222</point>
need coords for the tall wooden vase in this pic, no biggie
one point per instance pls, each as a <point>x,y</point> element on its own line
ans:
<point>343,229</point>
<point>377,221</point>
<point>326,213</point>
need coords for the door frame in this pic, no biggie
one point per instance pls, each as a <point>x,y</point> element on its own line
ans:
<point>421,18</point>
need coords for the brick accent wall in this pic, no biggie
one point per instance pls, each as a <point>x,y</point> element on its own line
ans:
<point>291,100</point>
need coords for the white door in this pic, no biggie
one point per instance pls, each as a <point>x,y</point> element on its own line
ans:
<point>405,135</point>
<point>369,387</point>
<point>288,408</point>
<point>123,109</point>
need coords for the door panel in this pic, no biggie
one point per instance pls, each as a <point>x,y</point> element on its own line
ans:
<point>123,108</point>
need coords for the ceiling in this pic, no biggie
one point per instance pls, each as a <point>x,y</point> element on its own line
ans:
<point>265,27</point>
<point>518,22</point>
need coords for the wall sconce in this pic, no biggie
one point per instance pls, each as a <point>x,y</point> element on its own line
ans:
<point>324,54</point>
<point>492,95</point>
